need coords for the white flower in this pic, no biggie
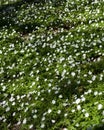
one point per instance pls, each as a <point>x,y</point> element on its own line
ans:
<point>18,97</point>
<point>95,93</point>
<point>73,110</point>
<point>0,118</point>
<point>4,88</point>
<point>53,101</point>
<point>33,83</point>
<point>19,122</point>
<point>89,81</point>
<point>42,126</point>
<point>83,110</point>
<point>83,99</point>
<point>0,51</point>
<point>103,120</point>
<point>85,93</point>
<point>24,121</point>
<point>65,129</point>
<point>73,74</point>
<point>84,56</point>
<point>13,103</point>
<point>4,102</point>
<point>100,106</point>
<point>100,93</point>
<point>86,114</point>
<point>43,118</point>
<point>31,126</point>
<point>78,107</point>
<point>53,121</point>
<point>47,69</point>
<point>103,113</point>
<point>96,1</point>
<point>94,77</point>
<point>89,72</point>
<point>77,125</point>
<point>59,111</point>
<point>14,113</point>
<point>89,91</point>
<point>60,96</point>
<point>63,73</point>
<point>65,115</point>
<point>49,110</point>
<point>77,101</point>
<point>7,109</point>
<point>35,116</point>
<point>49,84</point>
<point>4,120</point>
<point>37,78</point>
<point>49,90</point>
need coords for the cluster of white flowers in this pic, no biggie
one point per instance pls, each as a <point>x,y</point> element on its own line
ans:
<point>38,66</point>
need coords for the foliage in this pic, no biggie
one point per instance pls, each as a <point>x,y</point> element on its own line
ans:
<point>52,65</point>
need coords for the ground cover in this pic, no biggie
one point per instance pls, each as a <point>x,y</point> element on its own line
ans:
<point>52,65</point>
